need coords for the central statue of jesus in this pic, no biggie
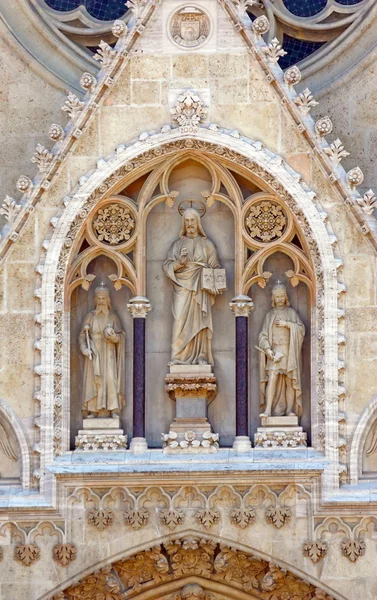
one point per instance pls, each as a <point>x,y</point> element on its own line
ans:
<point>192,305</point>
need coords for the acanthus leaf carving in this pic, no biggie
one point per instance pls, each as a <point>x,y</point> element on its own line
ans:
<point>191,556</point>
<point>73,106</point>
<point>64,553</point>
<point>336,151</point>
<point>189,111</point>
<point>368,202</point>
<point>150,566</point>
<point>278,515</point>
<point>305,101</point>
<point>207,517</point>
<point>315,550</point>
<point>274,51</point>
<point>242,517</point>
<point>42,158</point>
<point>234,566</point>
<point>243,5</point>
<point>102,585</point>
<point>26,554</point>
<point>136,7</point>
<point>10,209</point>
<point>101,518</point>
<point>105,54</point>
<point>136,518</point>
<point>171,517</point>
<point>352,549</point>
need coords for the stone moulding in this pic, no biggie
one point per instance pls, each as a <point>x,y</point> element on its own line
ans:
<point>279,177</point>
<point>202,562</point>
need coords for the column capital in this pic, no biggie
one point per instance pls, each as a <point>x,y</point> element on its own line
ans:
<point>139,307</point>
<point>241,306</point>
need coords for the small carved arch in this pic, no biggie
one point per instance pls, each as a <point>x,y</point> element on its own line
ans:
<point>368,420</point>
<point>9,417</point>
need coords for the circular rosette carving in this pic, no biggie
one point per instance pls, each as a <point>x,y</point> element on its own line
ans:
<point>266,221</point>
<point>114,224</point>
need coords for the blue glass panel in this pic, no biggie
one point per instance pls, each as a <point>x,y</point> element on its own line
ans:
<point>349,2</point>
<point>305,8</point>
<point>297,50</point>
<point>104,10</point>
<point>63,4</point>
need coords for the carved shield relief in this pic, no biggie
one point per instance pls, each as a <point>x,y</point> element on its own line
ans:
<point>190,27</point>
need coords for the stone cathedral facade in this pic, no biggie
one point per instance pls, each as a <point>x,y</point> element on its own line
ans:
<point>188,308</point>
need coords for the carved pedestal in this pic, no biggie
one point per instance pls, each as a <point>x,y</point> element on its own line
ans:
<point>280,431</point>
<point>101,434</point>
<point>192,387</point>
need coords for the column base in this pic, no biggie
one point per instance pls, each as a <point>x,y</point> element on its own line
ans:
<point>94,440</point>
<point>242,443</point>
<point>280,431</point>
<point>138,445</point>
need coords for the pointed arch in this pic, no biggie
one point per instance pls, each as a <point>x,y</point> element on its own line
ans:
<point>368,417</point>
<point>9,416</point>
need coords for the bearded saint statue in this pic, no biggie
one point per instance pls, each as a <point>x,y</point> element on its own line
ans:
<point>102,342</point>
<point>281,342</point>
<point>192,305</point>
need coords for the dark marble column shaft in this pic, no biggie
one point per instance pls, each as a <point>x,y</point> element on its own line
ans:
<point>242,376</point>
<point>139,379</point>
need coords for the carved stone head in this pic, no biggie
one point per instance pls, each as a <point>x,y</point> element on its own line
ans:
<point>102,298</point>
<point>191,224</point>
<point>279,295</point>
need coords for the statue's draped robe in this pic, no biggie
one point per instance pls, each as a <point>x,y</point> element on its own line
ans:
<point>192,306</point>
<point>290,363</point>
<point>104,375</point>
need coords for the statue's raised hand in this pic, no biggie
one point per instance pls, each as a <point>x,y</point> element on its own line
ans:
<point>86,352</point>
<point>183,256</point>
<point>282,323</point>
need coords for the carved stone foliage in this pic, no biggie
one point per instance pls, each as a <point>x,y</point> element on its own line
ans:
<point>136,518</point>
<point>193,556</point>
<point>242,517</point>
<point>352,549</point>
<point>190,440</point>
<point>190,28</point>
<point>10,209</point>
<point>207,518</point>
<point>114,224</point>
<point>189,111</point>
<point>92,441</point>
<point>278,515</point>
<point>266,221</point>
<point>101,518</point>
<point>171,518</point>
<point>315,550</point>
<point>26,554</point>
<point>64,553</point>
<point>274,439</point>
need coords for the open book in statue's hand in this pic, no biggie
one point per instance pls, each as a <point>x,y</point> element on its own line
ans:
<point>213,279</point>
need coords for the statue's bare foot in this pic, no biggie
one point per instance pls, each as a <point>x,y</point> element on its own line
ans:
<point>202,361</point>
<point>291,414</point>
<point>265,414</point>
<point>173,362</point>
<point>91,416</point>
<point>113,414</point>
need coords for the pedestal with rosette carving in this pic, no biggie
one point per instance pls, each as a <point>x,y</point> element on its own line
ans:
<point>192,387</point>
<point>242,306</point>
<point>139,307</point>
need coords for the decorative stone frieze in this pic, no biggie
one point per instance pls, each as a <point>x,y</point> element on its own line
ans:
<point>64,553</point>
<point>191,385</point>
<point>353,549</point>
<point>188,112</point>
<point>278,516</point>
<point>10,209</point>
<point>26,554</point>
<point>136,518</point>
<point>190,440</point>
<point>274,51</point>
<point>92,440</point>
<point>315,550</point>
<point>101,518</point>
<point>286,439</point>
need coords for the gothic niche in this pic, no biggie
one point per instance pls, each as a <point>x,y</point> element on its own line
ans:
<point>101,282</point>
<point>370,453</point>
<point>279,277</point>
<point>10,463</point>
